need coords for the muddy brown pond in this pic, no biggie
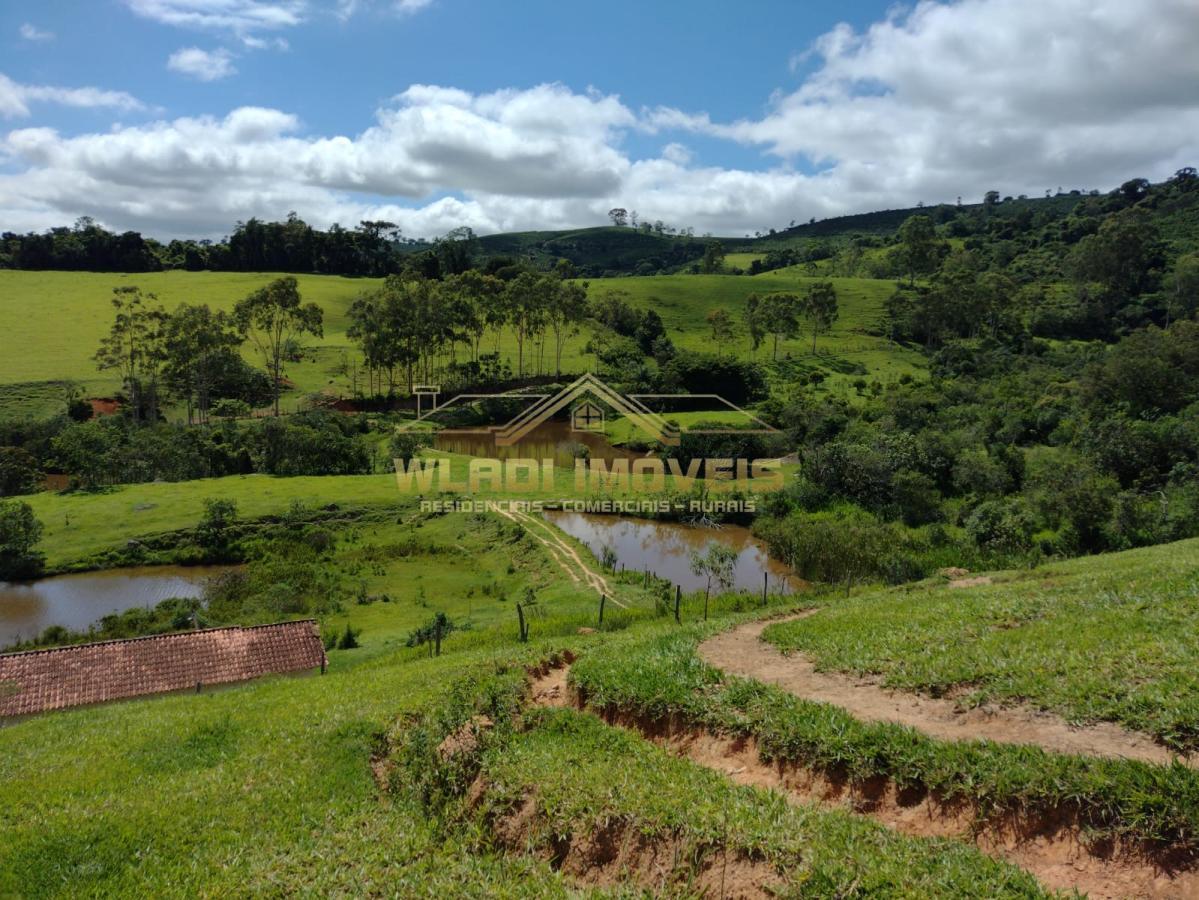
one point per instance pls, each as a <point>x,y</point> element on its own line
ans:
<point>77,601</point>
<point>665,549</point>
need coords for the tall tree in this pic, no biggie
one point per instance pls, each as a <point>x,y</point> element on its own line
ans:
<point>721,324</point>
<point>274,317</point>
<point>917,246</point>
<point>528,297</point>
<point>567,308</point>
<point>754,325</point>
<point>197,344</point>
<point>779,316</point>
<point>820,308</point>
<point>133,347</point>
<point>713,260</point>
<point>478,304</point>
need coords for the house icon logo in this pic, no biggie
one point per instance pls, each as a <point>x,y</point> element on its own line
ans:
<point>589,402</point>
<point>587,417</point>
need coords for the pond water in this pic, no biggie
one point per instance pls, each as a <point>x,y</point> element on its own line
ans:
<point>549,440</point>
<point>77,601</point>
<point>665,549</point>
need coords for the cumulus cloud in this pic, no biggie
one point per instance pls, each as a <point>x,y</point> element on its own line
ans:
<point>1023,94</point>
<point>937,101</point>
<point>31,32</point>
<point>15,98</point>
<point>203,65</point>
<point>239,16</point>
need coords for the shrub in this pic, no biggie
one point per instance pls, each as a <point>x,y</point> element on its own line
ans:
<point>348,639</point>
<point>19,533</point>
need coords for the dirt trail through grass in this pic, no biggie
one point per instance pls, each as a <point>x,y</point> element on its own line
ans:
<point>743,652</point>
<point>567,558</point>
<point>1054,850</point>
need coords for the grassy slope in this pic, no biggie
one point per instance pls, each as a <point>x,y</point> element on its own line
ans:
<point>53,322</point>
<point>1112,637</point>
<point>267,787</point>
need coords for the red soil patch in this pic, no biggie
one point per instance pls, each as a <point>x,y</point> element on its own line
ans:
<point>104,406</point>
<point>617,855</point>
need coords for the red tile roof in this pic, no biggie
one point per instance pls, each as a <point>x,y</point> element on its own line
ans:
<point>40,680</point>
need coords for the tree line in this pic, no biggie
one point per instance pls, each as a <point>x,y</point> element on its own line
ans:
<point>192,353</point>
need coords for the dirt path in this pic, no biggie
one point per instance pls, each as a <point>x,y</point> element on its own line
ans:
<point>1052,850</point>
<point>567,558</point>
<point>743,652</point>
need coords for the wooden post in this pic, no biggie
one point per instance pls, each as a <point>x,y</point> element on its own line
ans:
<point>601,615</point>
<point>765,582</point>
<point>520,615</point>
<point>706,595</point>
<point>437,636</point>
<point>678,599</point>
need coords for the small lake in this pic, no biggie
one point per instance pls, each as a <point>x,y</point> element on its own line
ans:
<point>665,549</point>
<point>548,440</point>
<point>77,601</point>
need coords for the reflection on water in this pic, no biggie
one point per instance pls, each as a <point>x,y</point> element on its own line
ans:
<point>549,440</point>
<point>665,549</point>
<point>77,601</point>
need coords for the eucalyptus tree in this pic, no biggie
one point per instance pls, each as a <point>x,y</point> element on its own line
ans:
<point>274,318</point>
<point>566,311</point>
<point>134,347</point>
<point>777,315</point>
<point>820,308</point>
<point>198,344</point>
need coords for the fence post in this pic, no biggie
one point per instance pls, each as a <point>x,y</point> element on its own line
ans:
<point>765,582</point>
<point>601,615</point>
<point>437,636</point>
<point>524,633</point>
<point>678,599</point>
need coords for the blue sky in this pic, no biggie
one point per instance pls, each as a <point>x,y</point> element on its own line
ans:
<point>179,117</point>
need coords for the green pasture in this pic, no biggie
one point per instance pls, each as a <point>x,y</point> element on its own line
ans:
<point>268,788</point>
<point>80,524</point>
<point>52,323</point>
<point>1109,638</point>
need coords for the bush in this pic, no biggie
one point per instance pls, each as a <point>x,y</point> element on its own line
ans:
<point>19,472</point>
<point>348,639</point>
<point>220,515</point>
<point>699,373</point>
<point>19,533</point>
<point>1002,526</point>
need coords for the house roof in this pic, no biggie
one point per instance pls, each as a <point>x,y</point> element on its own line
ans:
<point>40,680</point>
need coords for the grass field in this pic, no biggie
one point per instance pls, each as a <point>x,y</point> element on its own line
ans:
<point>267,787</point>
<point>53,323</point>
<point>1111,638</point>
<point>80,524</point>
<point>657,678</point>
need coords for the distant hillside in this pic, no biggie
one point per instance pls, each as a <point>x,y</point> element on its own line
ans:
<point>605,250</point>
<point>886,221</point>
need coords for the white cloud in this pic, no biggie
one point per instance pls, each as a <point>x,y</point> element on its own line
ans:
<point>203,65</point>
<point>31,32</point>
<point>346,9</point>
<point>942,100</point>
<point>1018,94</point>
<point>411,6</point>
<point>15,98</point>
<point>238,16</point>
